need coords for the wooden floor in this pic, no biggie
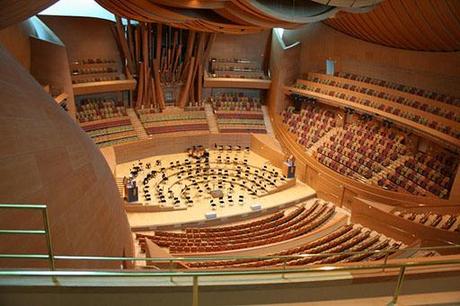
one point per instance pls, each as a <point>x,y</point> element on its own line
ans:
<point>196,213</point>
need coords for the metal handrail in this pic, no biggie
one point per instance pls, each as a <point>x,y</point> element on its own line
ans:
<point>196,273</point>
<point>222,258</point>
<point>188,273</point>
<point>45,231</point>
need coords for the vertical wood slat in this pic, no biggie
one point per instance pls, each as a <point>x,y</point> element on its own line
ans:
<point>123,43</point>
<point>186,89</point>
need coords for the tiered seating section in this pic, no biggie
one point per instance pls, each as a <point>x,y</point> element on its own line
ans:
<point>382,101</point>
<point>105,122</point>
<point>421,173</point>
<point>409,89</point>
<point>445,222</point>
<point>360,150</point>
<point>236,68</point>
<point>310,124</point>
<point>176,121</point>
<point>238,113</point>
<point>279,227</point>
<point>98,109</point>
<point>342,83</point>
<point>194,106</point>
<point>371,153</point>
<point>351,238</point>
<point>95,70</point>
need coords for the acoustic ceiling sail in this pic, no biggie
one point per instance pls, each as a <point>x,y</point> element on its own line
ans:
<point>232,16</point>
<point>424,25</point>
<point>14,11</point>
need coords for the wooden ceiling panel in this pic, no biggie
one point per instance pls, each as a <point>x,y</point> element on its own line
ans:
<point>240,16</point>
<point>424,25</point>
<point>15,11</point>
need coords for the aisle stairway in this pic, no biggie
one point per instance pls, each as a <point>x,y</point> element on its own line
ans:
<point>322,140</point>
<point>120,187</point>
<point>268,123</point>
<point>137,125</point>
<point>212,122</point>
<point>391,168</point>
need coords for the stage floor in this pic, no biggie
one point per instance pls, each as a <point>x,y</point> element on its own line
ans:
<point>195,215</point>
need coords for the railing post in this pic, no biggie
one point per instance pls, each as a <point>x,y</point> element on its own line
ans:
<point>170,270</point>
<point>49,243</point>
<point>195,291</point>
<point>398,286</point>
<point>284,269</point>
<point>385,261</point>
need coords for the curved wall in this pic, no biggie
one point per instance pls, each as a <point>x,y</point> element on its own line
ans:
<point>45,158</point>
<point>437,71</point>
<point>329,184</point>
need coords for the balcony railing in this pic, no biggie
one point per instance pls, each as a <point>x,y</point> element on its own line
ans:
<point>172,272</point>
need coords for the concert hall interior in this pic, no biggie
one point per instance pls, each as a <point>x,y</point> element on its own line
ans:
<point>230,152</point>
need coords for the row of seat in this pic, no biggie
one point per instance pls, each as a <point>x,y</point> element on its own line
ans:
<point>159,123</point>
<point>346,238</point>
<point>106,123</point>
<point>111,141</point>
<point>110,131</point>
<point>97,109</point>
<point>177,128</point>
<point>92,61</point>
<point>448,222</point>
<point>409,89</point>
<point>310,124</point>
<point>370,152</point>
<point>194,106</point>
<point>175,116</point>
<point>320,89</point>
<point>87,79</point>
<point>342,83</point>
<point>93,70</point>
<point>103,139</point>
<point>238,113</point>
<point>247,225</point>
<point>362,147</point>
<point>236,68</point>
<point>298,222</point>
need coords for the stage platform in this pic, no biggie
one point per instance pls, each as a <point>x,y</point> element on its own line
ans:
<point>195,216</point>
<point>291,193</point>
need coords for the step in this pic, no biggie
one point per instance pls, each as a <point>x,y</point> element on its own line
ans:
<point>136,123</point>
<point>212,122</point>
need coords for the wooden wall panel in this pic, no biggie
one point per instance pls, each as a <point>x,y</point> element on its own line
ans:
<point>251,46</point>
<point>265,147</point>
<point>50,65</point>
<point>16,40</point>
<point>455,191</point>
<point>379,221</point>
<point>284,68</point>
<point>437,71</point>
<point>85,37</point>
<point>45,158</point>
<point>368,214</point>
<point>169,144</point>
